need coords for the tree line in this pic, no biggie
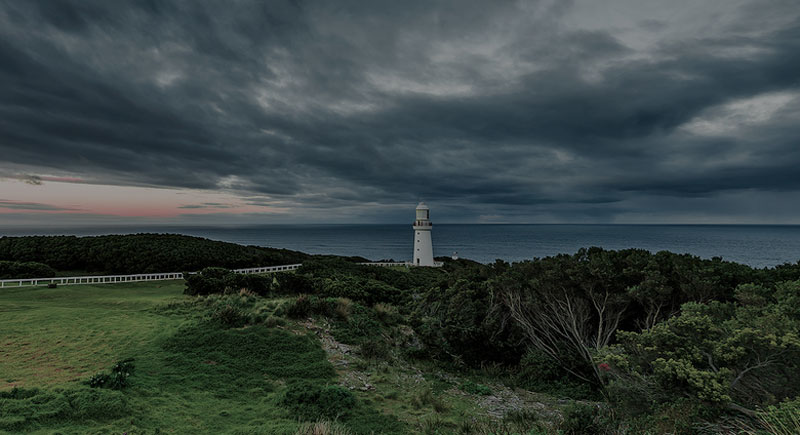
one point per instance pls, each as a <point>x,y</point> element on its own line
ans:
<point>139,253</point>
<point>25,269</point>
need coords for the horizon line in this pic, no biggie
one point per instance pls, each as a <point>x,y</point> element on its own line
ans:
<point>251,225</point>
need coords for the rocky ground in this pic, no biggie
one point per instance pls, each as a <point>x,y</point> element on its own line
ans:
<point>356,375</point>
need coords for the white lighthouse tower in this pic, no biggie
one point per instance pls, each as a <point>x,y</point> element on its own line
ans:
<point>423,246</point>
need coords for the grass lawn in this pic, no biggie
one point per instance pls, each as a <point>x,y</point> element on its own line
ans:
<point>52,337</point>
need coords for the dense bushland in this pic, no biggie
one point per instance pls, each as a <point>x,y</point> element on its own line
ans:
<point>26,269</point>
<point>467,323</point>
<point>738,355</point>
<point>139,253</point>
<point>335,277</point>
<point>569,306</point>
<point>337,267</point>
<point>653,333</point>
<point>325,277</point>
<point>217,280</point>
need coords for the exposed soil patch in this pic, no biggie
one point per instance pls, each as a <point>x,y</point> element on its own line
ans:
<point>338,354</point>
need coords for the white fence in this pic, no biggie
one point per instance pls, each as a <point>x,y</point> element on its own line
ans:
<point>387,263</point>
<point>398,263</point>
<point>269,269</point>
<point>112,279</point>
<point>104,279</point>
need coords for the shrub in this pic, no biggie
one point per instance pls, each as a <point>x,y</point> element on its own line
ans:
<point>230,316</point>
<point>215,272</point>
<point>305,305</point>
<point>359,327</point>
<point>272,322</point>
<point>783,419</point>
<point>386,313</point>
<point>536,366</point>
<point>335,268</point>
<point>300,307</point>
<point>99,380</point>
<point>433,425</point>
<point>538,372</point>
<point>343,309</point>
<point>294,283</point>
<point>473,388</point>
<point>427,397</point>
<point>257,284</point>
<point>375,349</point>
<point>467,322</point>
<point>311,402</point>
<point>581,419</point>
<point>209,280</point>
<point>681,417</point>
<point>220,280</point>
<point>117,379</point>
<point>233,310</point>
<point>365,290</point>
<point>234,282</point>
<point>727,355</point>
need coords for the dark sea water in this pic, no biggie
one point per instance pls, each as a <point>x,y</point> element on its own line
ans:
<point>756,245</point>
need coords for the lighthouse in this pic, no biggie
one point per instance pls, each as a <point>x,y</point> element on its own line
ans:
<point>423,246</point>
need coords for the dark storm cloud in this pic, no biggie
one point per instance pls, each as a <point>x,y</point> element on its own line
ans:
<point>18,205</point>
<point>33,180</point>
<point>207,205</point>
<point>504,106</point>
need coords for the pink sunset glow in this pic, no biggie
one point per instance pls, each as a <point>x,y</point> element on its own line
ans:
<point>68,195</point>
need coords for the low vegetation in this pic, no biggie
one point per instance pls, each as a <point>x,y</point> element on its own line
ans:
<point>596,342</point>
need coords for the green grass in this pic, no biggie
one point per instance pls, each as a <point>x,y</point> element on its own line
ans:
<point>192,374</point>
<point>51,337</point>
<point>236,360</point>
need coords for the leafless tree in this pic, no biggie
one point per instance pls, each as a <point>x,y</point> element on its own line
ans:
<point>555,318</point>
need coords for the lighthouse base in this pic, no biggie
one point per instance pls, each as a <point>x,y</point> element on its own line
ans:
<point>423,247</point>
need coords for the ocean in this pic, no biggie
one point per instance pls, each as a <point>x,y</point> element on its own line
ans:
<point>755,245</point>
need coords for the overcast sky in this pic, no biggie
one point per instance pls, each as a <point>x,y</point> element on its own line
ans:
<point>624,111</point>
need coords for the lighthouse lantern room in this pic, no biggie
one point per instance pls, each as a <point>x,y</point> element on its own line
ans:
<point>423,246</point>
